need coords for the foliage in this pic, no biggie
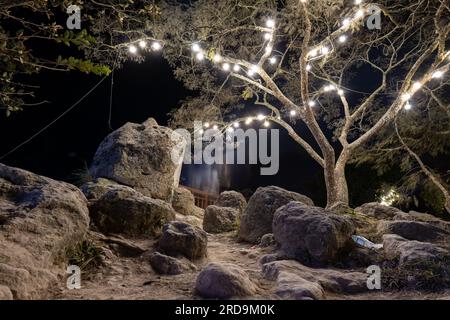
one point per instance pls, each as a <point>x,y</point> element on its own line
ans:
<point>85,254</point>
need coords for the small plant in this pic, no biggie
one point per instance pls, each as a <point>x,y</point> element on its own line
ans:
<point>84,254</point>
<point>82,176</point>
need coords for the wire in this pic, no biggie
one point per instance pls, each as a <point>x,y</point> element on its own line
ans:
<point>55,120</point>
<point>111,100</point>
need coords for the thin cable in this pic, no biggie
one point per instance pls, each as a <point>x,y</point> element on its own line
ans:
<point>111,100</point>
<point>55,120</point>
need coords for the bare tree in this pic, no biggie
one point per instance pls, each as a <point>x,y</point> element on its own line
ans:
<point>301,60</point>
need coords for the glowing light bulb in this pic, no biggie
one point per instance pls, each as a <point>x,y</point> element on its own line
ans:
<point>230,129</point>
<point>201,131</point>
<point>408,106</point>
<point>340,92</point>
<point>311,103</point>
<point>268,49</point>
<point>217,57</point>
<point>273,60</point>
<point>346,22</point>
<point>132,49</point>
<point>325,50</point>
<point>200,56</point>
<point>437,74</point>
<point>417,85</point>
<point>270,23</point>
<point>359,13</point>
<point>236,68</point>
<point>196,47</point>
<point>313,53</point>
<point>406,96</point>
<point>358,2</point>
<point>215,127</point>
<point>226,66</point>
<point>142,44</point>
<point>236,124</point>
<point>260,117</point>
<point>254,69</point>
<point>267,36</point>
<point>342,38</point>
<point>156,46</point>
<point>266,123</point>
<point>293,113</point>
<point>308,67</point>
<point>249,120</point>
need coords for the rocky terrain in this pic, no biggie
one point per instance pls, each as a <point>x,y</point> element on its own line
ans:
<point>136,235</point>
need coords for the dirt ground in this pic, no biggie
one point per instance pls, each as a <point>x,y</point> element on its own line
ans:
<point>134,278</point>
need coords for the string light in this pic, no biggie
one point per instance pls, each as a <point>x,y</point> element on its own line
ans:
<point>293,113</point>
<point>226,66</point>
<point>359,13</point>
<point>156,46</point>
<point>342,38</point>
<point>437,74</point>
<point>196,47</point>
<point>406,96</point>
<point>313,53</point>
<point>260,117</point>
<point>199,56</point>
<point>308,67</point>
<point>267,36</point>
<point>254,69</point>
<point>266,123</point>
<point>248,120</point>
<point>417,86</point>
<point>236,124</point>
<point>206,124</point>
<point>236,68</point>
<point>201,131</point>
<point>268,49</point>
<point>270,23</point>
<point>408,106</point>
<point>346,22</point>
<point>340,92</point>
<point>217,57</point>
<point>215,127</point>
<point>132,49</point>
<point>311,103</point>
<point>273,60</point>
<point>142,44</point>
<point>325,50</point>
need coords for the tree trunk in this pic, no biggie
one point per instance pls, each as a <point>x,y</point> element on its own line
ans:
<point>335,182</point>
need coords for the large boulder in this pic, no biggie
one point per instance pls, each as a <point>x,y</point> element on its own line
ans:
<point>144,156</point>
<point>296,281</point>
<point>412,251</point>
<point>184,203</point>
<point>185,239</point>
<point>411,230</point>
<point>311,234</point>
<point>123,210</point>
<point>223,281</point>
<point>257,218</point>
<point>423,217</point>
<point>220,219</point>
<point>40,219</point>
<point>194,220</point>
<point>232,199</point>
<point>378,211</point>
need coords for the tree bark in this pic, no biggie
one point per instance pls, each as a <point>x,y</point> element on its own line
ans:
<point>336,182</point>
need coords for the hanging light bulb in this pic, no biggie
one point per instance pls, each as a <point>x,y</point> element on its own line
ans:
<point>268,49</point>
<point>324,50</point>
<point>206,124</point>
<point>313,53</point>
<point>342,38</point>
<point>437,74</point>
<point>346,22</point>
<point>417,85</point>
<point>217,58</point>
<point>311,103</point>
<point>196,47</point>
<point>340,92</point>
<point>142,44</point>
<point>408,106</point>
<point>132,49</point>
<point>267,36</point>
<point>249,120</point>
<point>200,56</point>
<point>215,127</point>
<point>308,67</point>
<point>236,124</point>
<point>201,131</point>
<point>406,96</point>
<point>236,68</point>
<point>270,23</point>
<point>293,113</point>
<point>266,123</point>
<point>273,60</point>
<point>260,117</point>
<point>226,66</point>
<point>253,69</point>
<point>156,46</point>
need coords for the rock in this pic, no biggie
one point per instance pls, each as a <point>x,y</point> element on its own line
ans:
<point>378,211</point>
<point>220,219</point>
<point>341,208</point>
<point>123,210</point>
<point>140,156</point>
<point>411,230</point>
<point>182,238</point>
<point>5,293</point>
<point>123,247</point>
<point>310,234</point>
<point>257,218</point>
<point>96,189</point>
<point>423,217</point>
<point>195,221</point>
<point>41,219</point>
<point>223,281</point>
<point>267,240</point>
<point>163,264</point>
<point>232,199</point>
<point>295,280</point>
<point>184,203</point>
<point>411,251</point>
